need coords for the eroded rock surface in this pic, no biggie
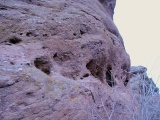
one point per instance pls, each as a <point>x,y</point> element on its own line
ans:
<point>62,60</point>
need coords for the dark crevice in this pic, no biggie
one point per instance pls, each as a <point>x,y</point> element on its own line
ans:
<point>109,78</point>
<point>29,33</point>
<point>86,75</point>
<point>55,55</point>
<point>3,8</point>
<point>44,47</point>
<point>74,34</point>
<point>13,40</point>
<point>45,35</point>
<point>29,93</point>
<point>92,96</point>
<point>4,84</point>
<point>43,64</point>
<point>90,15</point>
<point>20,33</point>
<point>12,63</point>
<point>82,32</point>
<point>126,82</point>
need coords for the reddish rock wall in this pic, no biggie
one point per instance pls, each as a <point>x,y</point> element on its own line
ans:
<point>46,45</point>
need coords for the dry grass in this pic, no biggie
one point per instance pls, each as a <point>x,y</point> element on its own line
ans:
<point>149,99</point>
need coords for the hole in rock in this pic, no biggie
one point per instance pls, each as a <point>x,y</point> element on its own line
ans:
<point>43,64</point>
<point>12,63</point>
<point>29,93</point>
<point>20,33</point>
<point>44,47</point>
<point>74,34</point>
<point>95,69</point>
<point>55,55</point>
<point>109,78</point>
<point>86,75</point>
<point>14,40</point>
<point>3,7</point>
<point>82,32</point>
<point>44,35</point>
<point>125,82</point>
<point>29,33</point>
<point>91,66</point>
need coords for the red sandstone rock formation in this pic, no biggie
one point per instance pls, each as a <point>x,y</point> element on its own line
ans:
<point>62,60</point>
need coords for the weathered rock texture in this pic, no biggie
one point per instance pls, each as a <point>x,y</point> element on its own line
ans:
<point>62,60</point>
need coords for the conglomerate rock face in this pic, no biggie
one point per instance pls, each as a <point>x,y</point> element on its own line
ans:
<point>62,60</point>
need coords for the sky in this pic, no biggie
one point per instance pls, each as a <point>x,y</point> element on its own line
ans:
<point>138,22</point>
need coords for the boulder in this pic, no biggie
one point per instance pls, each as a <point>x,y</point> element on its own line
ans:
<point>62,60</point>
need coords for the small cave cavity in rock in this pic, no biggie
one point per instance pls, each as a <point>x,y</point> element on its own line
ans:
<point>3,7</point>
<point>12,63</point>
<point>55,55</point>
<point>29,93</point>
<point>109,77</point>
<point>45,35</point>
<point>82,32</point>
<point>95,69</point>
<point>74,34</point>
<point>43,64</point>
<point>29,33</point>
<point>86,75</point>
<point>20,33</point>
<point>14,40</point>
<point>44,47</point>
<point>126,82</point>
